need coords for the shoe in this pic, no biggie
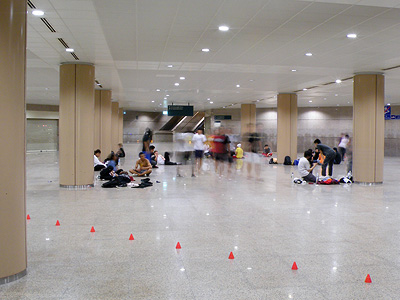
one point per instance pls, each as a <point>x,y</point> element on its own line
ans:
<point>147,175</point>
<point>155,167</point>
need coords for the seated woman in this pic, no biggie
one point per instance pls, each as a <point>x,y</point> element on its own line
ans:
<point>161,159</point>
<point>98,165</point>
<point>107,173</point>
<point>142,167</point>
<point>113,162</point>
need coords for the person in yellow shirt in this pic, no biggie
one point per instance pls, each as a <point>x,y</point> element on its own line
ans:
<point>239,151</point>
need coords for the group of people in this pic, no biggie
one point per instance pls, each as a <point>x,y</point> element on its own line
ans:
<point>324,156</point>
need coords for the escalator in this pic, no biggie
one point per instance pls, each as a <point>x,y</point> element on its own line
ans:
<point>189,124</point>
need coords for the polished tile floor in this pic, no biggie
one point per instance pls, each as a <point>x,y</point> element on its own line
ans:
<point>336,234</point>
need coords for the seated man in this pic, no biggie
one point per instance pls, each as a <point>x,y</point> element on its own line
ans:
<point>121,151</point>
<point>305,168</point>
<point>98,165</point>
<point>239,151</point>
<point>153,159</point>
<point>142,167</point>
<point>267,151</point>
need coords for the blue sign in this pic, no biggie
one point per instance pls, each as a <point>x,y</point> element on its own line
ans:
<point>388,113</point>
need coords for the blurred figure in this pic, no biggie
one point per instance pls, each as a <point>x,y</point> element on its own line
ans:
<point>147,137</point>
<point>198,141</point>
<point>121,151</point>
<point>221,149</point>
<point>153,159</point>
<point>329,154</point>
<point>255,149</point>
<point>239,152</point>
<point>344,141</point>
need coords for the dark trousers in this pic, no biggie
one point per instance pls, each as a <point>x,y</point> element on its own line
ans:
<point>329,159</point>
<point>342,152</point>
<point>310,178</point>
<point>99,167</point>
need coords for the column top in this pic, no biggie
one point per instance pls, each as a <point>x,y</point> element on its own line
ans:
<point>76,63</point>
<point>369,73</point>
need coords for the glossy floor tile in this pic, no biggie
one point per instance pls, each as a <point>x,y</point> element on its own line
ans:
<point>336,234</point>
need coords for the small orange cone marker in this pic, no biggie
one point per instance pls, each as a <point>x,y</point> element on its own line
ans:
<point>178,246</point>
<point>58,223</point>
<point>294,267</point>
<point>131,237</point>
<point>368,279</point>
<point>92,230</point>
<point>28,217</point>
<point>231,256</point>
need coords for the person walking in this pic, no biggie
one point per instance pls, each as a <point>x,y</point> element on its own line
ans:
<point>198,141</point>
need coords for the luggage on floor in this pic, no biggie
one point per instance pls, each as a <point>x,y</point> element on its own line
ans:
<point>287,161</point>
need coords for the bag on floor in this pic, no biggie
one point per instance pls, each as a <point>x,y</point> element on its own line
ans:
<point>296,162</point>
<point>273,161</point>
<point>287,161</point>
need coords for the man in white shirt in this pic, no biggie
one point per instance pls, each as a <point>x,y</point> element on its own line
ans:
<point>344,140</point>
<point>305,168</point>
<point>198,141</point>
<point>98,165</point>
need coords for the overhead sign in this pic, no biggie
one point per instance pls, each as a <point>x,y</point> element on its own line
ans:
<point>388,112</point>
<point>222,117</point>
<point>180,110</point>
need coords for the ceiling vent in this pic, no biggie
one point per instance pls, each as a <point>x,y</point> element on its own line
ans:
<point>75,56</point>
<point>391,68</point>
<point>31,5</point>
<point>48,25</point>
<point>63,43</point>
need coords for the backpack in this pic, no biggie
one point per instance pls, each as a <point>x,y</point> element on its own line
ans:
<point>287,161</point>
<point>273,161</point>
<point>296,162</point>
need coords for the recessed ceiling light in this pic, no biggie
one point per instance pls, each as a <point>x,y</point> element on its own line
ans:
<point>304,89</point>
<point>69,50</point>
<point>205,50</point>
<point>388,104</point>
<point>223,28</point>
<point>324,98</point>
<point>258,100</point>
<point>338,81</point>
<point>208,99</point>
<point>251,80</point>
<point>158,90</point>
<point>170,66</point>
<point>37,12</point>
<point>176,84</point>
<point>337,105</point>
<point>166,95</point>
<point>336,95</point>
<point>152,101</point>
<point>294,70</point>
<point>182,78</point>
<point>211,102</point>
<point>165,98</point>
<point>352,36</point>
<point>238,85</point>
<point>310,101</point>
<point>308,54</point>
<point>160,104</point>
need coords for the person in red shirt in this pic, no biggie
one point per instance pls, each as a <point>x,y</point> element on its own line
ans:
<point>220,149</point>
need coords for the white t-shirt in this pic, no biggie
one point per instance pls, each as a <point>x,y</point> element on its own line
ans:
<point>303,167</point>
<point>198,141</point>
<point>343,142</point>
<point>160,161</point>
<point>97,161</point>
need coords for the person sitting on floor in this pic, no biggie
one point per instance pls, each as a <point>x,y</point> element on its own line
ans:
<point>338,157</point>
<point>142,167</point>
<point>153,159</point>
<point>161,159</point>
<point>98,165</point>
<point>239,151</point>
<point>305,168</point>
<point>107,173</point>
<point>113,162</point>
<point>121,151</point>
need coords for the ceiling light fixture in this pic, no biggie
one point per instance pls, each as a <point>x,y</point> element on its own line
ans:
<point>336,95</point>
<point>152,101</point>
<point>211,102</point>
<point>294,70</point>
<point>176,84</point>
<point>182,78</point>
<point>37,12</point>
<point>388,104</point>
<point>158,90</point>
<point>165,98</point>
<point>238,85</point>
<point>338,81</point>
<point>166,95</point>
<point>205,50</point>
<point>308,54</point>
<point>170,66</point>
<point>223,28</point>
<point>310,101</point>
<point>304,89</point>
<point>352,36</point>
<point>70,50</point>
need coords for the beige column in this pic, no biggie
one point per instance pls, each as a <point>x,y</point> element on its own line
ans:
<point>12,136</point>
<point>287,127</point>
<point>247,118</point>
<point>97,120</point>
<point>76,124</point>
<point>121,125</point>
<point>105,123</point>
<point>368,128</point>
<point>114,126</point>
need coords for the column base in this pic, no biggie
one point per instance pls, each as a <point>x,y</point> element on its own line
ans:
<point>368,183</point>
<point>12,278</point>
<point>77,187</point>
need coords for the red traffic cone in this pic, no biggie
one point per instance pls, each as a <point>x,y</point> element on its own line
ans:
<point>28,217</point>
<point>92,230</point>
<point>294,267</point>
<point>231,256</point>
<point>131,237</point>
<point>368,279</point>
<point>58,223</point>
<point>178,246</point>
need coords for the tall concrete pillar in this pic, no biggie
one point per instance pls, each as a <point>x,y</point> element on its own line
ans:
<point>121,126</point>
<point>13,261</point>
<point>102,122</point>
<point>287,127</point>
<point>114,126</point>
<point>76,125</point>
<point>368,128</point>
<point>247,118</point>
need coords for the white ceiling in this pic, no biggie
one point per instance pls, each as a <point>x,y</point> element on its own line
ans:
<point>131,43</point>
